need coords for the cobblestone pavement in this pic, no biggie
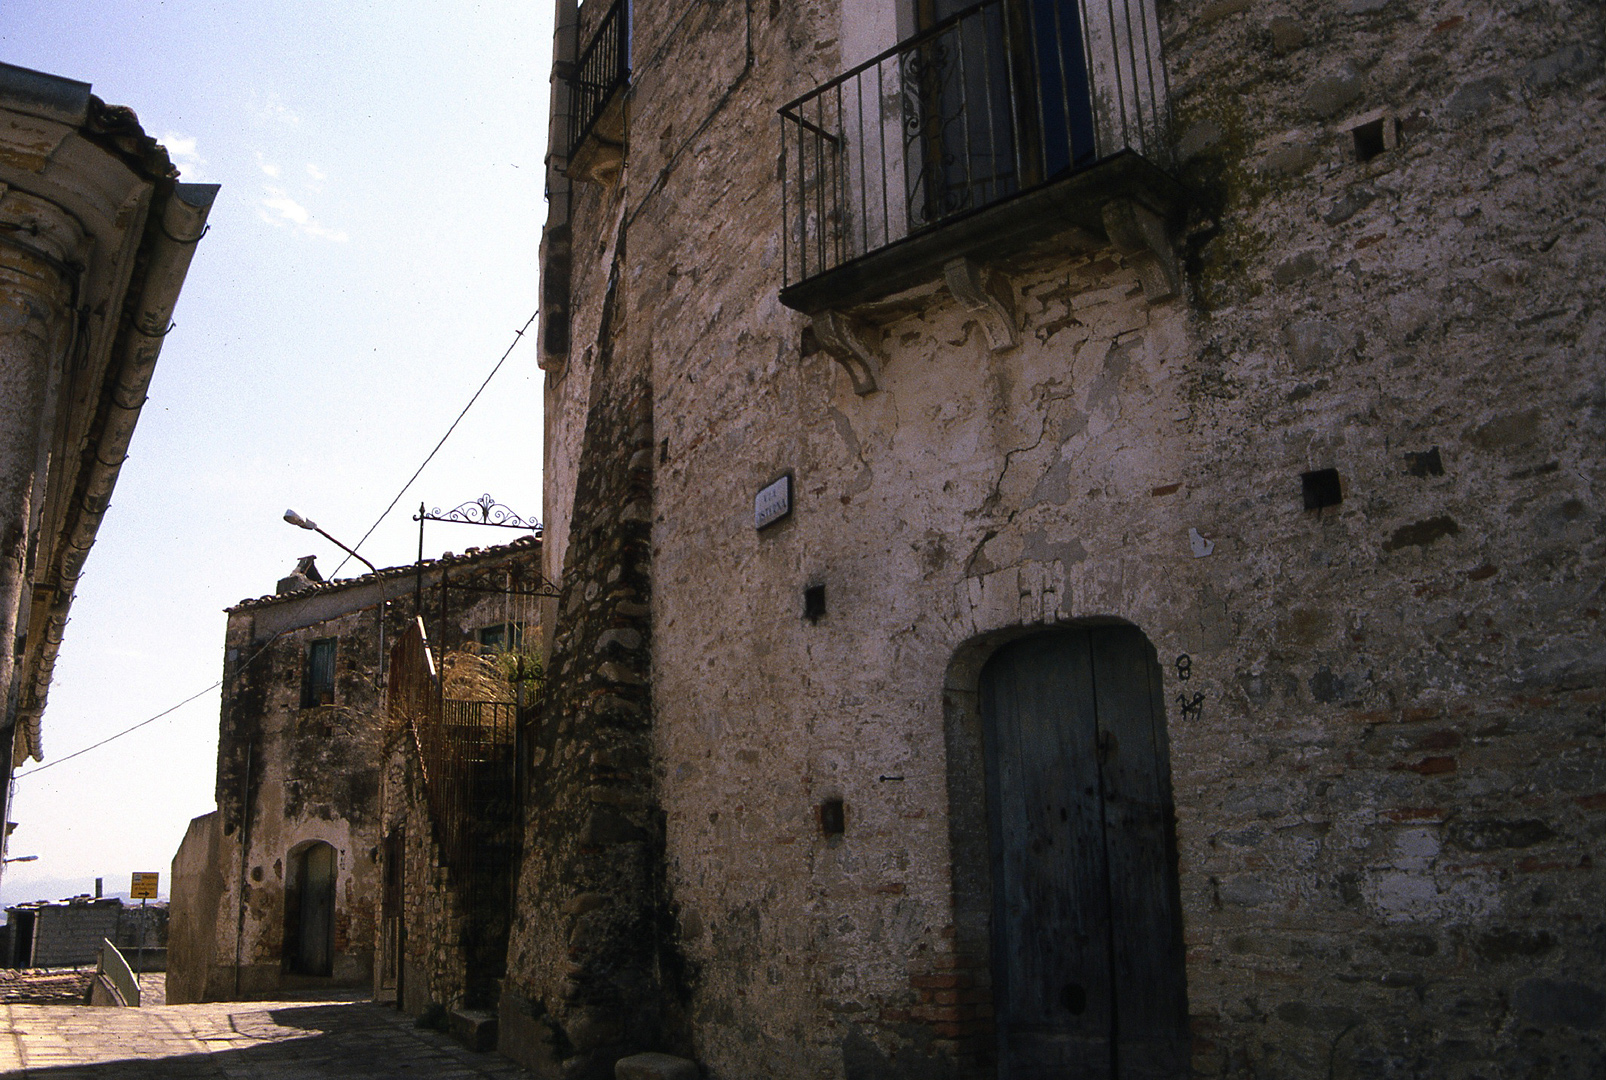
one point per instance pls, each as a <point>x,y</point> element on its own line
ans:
<point>250,1040</point>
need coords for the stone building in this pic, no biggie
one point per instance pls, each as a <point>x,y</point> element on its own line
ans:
<point>280,887</point>
<point>96,236</point>
<point>1080,535</point>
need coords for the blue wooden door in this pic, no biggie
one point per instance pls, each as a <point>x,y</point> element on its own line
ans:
<point>1088,976</point>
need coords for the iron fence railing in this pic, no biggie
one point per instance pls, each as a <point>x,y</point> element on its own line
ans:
<point>602,70</point>
<point>995,101</point>
<point>466,751</point>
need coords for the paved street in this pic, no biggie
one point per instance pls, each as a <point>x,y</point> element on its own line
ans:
<point>257,1040</point>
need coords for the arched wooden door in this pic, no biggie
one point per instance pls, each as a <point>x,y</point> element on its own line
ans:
<point>310,910</point>
<point>1087,934</point>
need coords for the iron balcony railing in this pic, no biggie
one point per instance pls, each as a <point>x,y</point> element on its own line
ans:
<point>602,71</point>
<point>995,101</point>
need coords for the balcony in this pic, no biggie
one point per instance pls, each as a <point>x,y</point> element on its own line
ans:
<point>597,88</point>
<point>1011,126</point>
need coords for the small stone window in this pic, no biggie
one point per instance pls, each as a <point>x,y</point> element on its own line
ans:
<point>1374,134</point>
<point>318,677</point>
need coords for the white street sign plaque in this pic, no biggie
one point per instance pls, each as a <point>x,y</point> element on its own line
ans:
<point>773,502</point>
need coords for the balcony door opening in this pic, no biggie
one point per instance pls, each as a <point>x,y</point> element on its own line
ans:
<point>1087,951</point>
<point>997,101</point>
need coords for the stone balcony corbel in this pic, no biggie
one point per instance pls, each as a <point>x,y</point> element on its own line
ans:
<point>988,299</point>
<point>852,337</point>
<point>1140,235</point>
<point>852,343</point>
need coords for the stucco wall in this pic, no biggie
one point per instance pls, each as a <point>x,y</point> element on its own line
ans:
<point>197,913</point>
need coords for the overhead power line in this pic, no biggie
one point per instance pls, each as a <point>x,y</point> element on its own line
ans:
<point>120,734</point>
<point>151,720</point>
<point>518,336</point>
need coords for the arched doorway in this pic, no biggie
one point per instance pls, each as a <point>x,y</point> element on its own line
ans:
<point>309,910</point>
<point>1087,950</point>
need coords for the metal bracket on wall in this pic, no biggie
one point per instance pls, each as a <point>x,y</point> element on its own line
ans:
<point>1139,234</point>
<point>849,342</point>
<point>979,293</point>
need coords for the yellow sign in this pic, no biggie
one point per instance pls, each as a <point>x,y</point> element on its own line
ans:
<point>143,887</point>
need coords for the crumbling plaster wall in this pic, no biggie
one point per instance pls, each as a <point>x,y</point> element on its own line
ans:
<point>310,775</point>
<point>199,916</point>
<point>1388,804</point>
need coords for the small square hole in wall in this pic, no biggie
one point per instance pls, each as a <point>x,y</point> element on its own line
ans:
<point>814,603</point>
<point>833,817</point>
<point>1321,488</point>
<point>1374,137</point>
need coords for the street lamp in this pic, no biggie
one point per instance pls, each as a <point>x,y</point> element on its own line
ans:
<point>22,858</point>
<point>306,523</point>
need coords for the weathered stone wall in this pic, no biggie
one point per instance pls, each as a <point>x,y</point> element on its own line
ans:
<point>456,918</point>
<point>434,972</point>
<point>1390,850</point>
<point>591,976</point>
<point>1388,803</point>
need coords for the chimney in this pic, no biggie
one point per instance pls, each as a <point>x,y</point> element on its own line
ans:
<point>305,574</point>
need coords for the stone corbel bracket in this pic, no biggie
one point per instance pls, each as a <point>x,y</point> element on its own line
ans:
<point>1139,234</point>
<point>991,304</point>
<point>852,344</point>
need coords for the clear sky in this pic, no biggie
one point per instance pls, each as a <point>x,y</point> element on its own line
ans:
<point>371,255</point>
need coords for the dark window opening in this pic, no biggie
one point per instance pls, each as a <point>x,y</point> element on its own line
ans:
<point>502,637</point>
<point>1371,138</point>
<point>1002,103</point>
<point>833,817</point>
<point>1321,488</point>
<point>318,682</point>
<point>814,603</point>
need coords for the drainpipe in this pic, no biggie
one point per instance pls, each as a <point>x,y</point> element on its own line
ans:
<point>176,226</point>
<point>245,853</point>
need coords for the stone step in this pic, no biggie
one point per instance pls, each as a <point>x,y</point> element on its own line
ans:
<point>655,1067</point>
<point>473,1028</point>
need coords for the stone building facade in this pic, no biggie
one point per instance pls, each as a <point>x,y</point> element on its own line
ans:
<point>1221,506</point>
<point>280,888</point>
<point>96,237</point>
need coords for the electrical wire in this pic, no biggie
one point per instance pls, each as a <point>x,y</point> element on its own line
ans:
<point>120,734</point>
<point>518,335</point>
<point>151,720</point>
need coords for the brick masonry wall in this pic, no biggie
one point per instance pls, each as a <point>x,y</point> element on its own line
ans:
<point>1388,806</point>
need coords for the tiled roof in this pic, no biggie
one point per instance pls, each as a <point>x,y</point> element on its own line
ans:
<point>469,557</point>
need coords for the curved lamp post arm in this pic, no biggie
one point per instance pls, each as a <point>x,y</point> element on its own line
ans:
<point>307,523</point>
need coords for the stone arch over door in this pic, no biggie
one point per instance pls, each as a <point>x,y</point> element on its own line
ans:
<point>1062,826</point>
<point>309,909</point>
